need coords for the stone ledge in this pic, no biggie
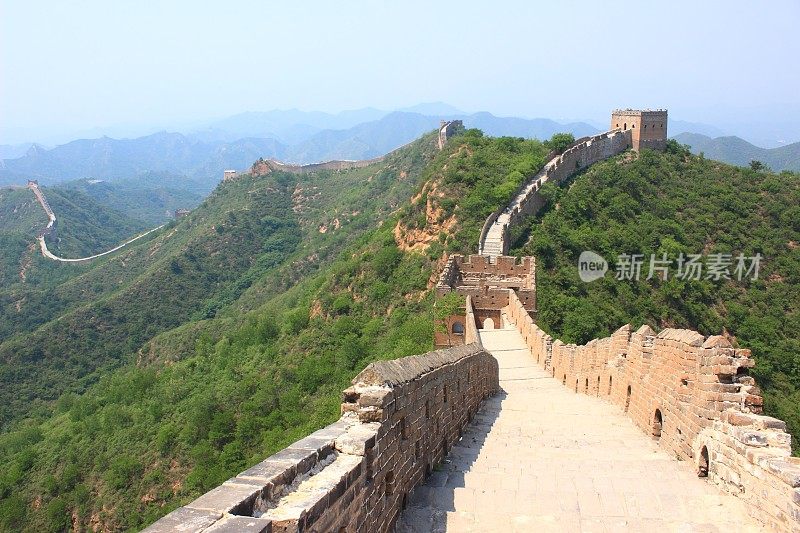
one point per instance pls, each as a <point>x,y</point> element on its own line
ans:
<point>241,524</point>
<point>185,520</point>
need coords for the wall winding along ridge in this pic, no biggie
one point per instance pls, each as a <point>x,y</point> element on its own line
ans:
<point>692,394</point>
<point>494,240</point>
<point>399,419</point>
<point>48,230</point>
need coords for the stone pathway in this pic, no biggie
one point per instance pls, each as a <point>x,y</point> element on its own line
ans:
<point>493,244</point>
<point>539,458</point>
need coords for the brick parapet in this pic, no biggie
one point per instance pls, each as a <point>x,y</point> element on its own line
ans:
<point>398,421</point>
<point>710,409</point>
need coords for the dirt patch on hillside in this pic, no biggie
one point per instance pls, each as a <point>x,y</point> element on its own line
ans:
<point>419,239</point>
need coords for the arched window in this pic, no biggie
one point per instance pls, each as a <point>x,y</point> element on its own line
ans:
<point>705,464</point>
<point>598,385</point>
<point>586,387</point>
<point>628,399</point>
<point>610,381</point>
<point>658,424</point>
<point>458,328</point>
<point>625,126</point>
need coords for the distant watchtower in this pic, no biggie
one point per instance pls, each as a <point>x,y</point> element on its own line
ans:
<point>228,175</point>
<point>448,128</point>
<point>648,126</point>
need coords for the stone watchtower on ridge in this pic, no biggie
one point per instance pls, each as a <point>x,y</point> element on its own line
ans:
<point>648,126</point>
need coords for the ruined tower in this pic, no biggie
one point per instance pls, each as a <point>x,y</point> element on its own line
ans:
<point>648,126</point>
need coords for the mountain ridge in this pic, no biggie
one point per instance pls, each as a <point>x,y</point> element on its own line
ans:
<point>204,160</point>
<point>736,151</point>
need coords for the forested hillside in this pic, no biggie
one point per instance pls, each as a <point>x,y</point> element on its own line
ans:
<point>151,197</point>
<point>262,363</point>
<point>313,276</point>
<point>676,203</point>
<point>85,227</point>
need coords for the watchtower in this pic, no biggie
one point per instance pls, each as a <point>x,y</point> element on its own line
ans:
<point>648,126</point>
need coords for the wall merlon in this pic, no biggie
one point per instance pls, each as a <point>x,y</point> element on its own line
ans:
<point>695,384</point>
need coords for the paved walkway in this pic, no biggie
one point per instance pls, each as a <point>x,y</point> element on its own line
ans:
<point>493,244</point>
<point>539,458</point>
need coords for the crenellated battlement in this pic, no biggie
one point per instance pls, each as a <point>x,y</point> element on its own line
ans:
<point>694,396</point>
<point>487,282</point>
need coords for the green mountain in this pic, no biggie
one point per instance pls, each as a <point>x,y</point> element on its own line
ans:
<point>237,142</point>
<point>229,334</point>
<point>151,197</point>
<point>343,277</point>
<point>85,227</point>
<point>670,204</point>
<point>739,152</point>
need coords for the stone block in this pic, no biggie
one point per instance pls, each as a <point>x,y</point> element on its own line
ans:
<point>358,439</point>
<point>786,470</point>
<point>185,520</point>
<point>233,498</point>
<point>241,524</point>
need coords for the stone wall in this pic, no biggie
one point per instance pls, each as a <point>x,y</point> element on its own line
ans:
<point>448,128</point>
<point>485,284</point>
<point>528,200</point>
<point>398,421</point>
<point>694,396</point>
<point>648,127</point>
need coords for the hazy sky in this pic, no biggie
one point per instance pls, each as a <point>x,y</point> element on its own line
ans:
<point>67,66</point>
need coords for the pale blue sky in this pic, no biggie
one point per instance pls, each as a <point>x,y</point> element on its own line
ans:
<point>68,66</point>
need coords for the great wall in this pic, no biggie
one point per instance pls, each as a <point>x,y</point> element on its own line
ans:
<point>51,226</point>
<point>506,429</point>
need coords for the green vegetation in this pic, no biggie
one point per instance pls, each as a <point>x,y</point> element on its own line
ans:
<point>482,174</point>
<point>231,333</point>
<point>676,203</point>
<point>257,362</point>
<point>152,197</point>
<point>737,151</point>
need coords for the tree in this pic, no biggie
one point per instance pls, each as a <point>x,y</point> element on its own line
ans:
<point>559,142</point>
<point>756,165</point>
<point>445,307</point>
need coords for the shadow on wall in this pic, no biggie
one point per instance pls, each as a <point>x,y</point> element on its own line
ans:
<point>419,515</point>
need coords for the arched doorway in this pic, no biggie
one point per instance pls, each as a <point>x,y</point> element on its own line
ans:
<point>702,468</point>
<point>628,399</point>
<point>658,424</point>
<point>488,324</point>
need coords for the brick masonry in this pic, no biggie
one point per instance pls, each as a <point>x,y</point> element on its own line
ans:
<point>399,419</point>
<point>486,284</point>
<point>693,395</point>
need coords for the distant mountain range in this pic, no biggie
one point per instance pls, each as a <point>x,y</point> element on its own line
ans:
<point>737,151</point>
<point>289,136</point>
<point>294,136</point>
